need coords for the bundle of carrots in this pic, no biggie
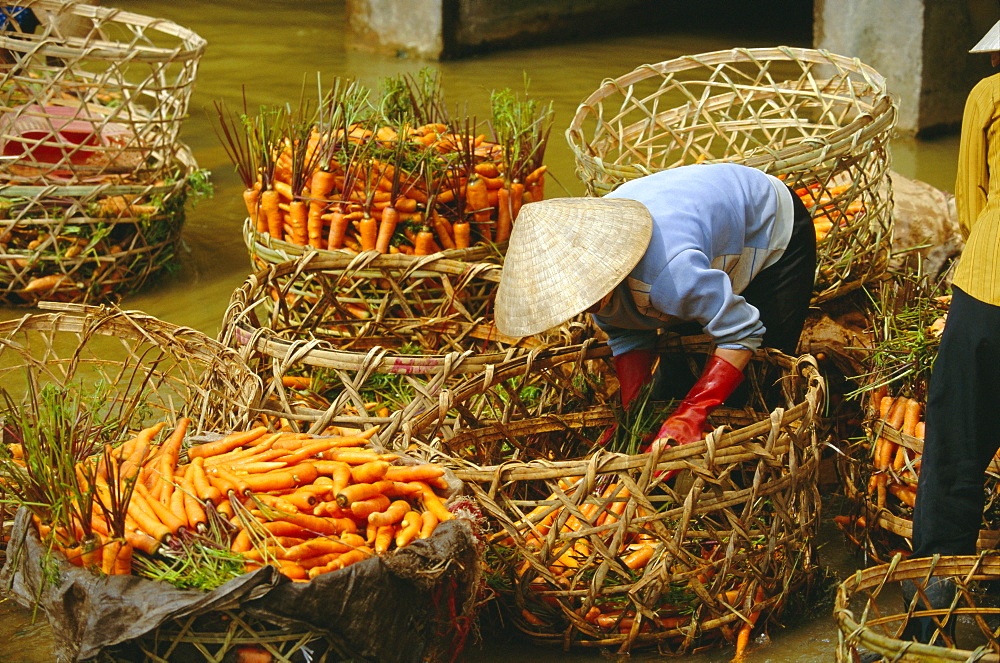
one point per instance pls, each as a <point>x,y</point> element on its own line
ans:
<point>573,551</point>
<point>304,504</point>
<point>371,203</point>
<point>396,176</point>
<point>895,466</point>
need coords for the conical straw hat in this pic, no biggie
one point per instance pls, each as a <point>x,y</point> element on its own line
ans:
<point>564,255</point>
<point>990,43</point>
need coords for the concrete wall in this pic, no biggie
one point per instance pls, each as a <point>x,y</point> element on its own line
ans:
<point>920,46</point>
<point>446,29</point>
<point>412,28</point>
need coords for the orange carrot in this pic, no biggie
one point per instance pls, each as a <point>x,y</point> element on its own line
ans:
<point>313,547</point>
<point>341,476</point>
<point>370,472</point>
<point>392,514</point>
<point>172,520</point>
<point>269,206</point>
<point>743,637</point>
<point>228,443</point>
<point>406,473</point>
<point>443,230</point>
<point>357,492</point>
<point>367,232</point>
<point>203,489</point>
<point>316,524</point>
<point>338,229</point>
<point>410,529</point>
<point>251,198</point>
<point>386,229</point>
<point>911,416</point>
<point>298,213</point>
<point>224,481</point>
<point>147,522</point>
<point>194,512</point>
<point>504,218</point>
<point>108,553</point>
<point>167,460</point>
<point>292,477</point>
<point>123,559</point>
<point>516,199</point>
<point>904,494</point>
<point>478,203</point>
<point>307,451</point>
<point>433,503</point>
<point>639,557</point>
<point>423,244</point>
<point>383,538</point>
<point>353,557</point>
<point>364,509</point>
<point>463,234</point>
<point>535,175</point>
<point>130,466</point>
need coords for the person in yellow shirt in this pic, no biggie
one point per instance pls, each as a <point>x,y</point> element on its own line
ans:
<point>962,414</point>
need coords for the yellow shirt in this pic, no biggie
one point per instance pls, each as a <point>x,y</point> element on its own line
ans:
<point>977,194</point>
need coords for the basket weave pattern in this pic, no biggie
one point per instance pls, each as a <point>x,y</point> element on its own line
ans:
<point>351,324</point>
<point>178,371</point>
<point>819,121</point>
<point>731,535</point>
<point>871,615</point>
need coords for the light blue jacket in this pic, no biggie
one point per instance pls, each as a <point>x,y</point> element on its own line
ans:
<point>715,227</point>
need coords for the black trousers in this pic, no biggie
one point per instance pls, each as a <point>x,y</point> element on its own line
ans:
<point>963,430</point>
<point>781,293</point>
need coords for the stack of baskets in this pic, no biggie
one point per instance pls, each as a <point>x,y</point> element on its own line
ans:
<point>375,340</point>
<point>822,122</point>
<point>93,176</point>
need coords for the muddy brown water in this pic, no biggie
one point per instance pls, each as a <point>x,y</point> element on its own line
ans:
<point>273,49</point>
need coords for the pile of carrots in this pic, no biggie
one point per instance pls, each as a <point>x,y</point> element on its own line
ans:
<point>636,550</point>
<point>374,204</point>
<point>306,505</point>
<point>827,211</point>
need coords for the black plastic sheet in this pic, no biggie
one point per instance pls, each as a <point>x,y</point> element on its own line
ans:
<point>415,604</point>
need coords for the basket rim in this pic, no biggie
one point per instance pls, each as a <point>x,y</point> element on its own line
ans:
<point>875,121</point>
<point>972,567</point>
<point>193,44</point>
<point>239,331</point>
<point>590,349</point>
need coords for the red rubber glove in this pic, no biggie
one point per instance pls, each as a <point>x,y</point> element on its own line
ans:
<point>718,380</point>
<point>634,370</point>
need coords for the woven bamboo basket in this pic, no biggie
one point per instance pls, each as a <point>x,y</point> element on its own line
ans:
<point>218,636</point>
<point>173,370</point>
<point>728,540</point>
<point>101,100</point>
<point>377,338</point>
<point>90,243</point>
<point>871,613</point>
<point>822,122</point>
<point>882,531</point>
